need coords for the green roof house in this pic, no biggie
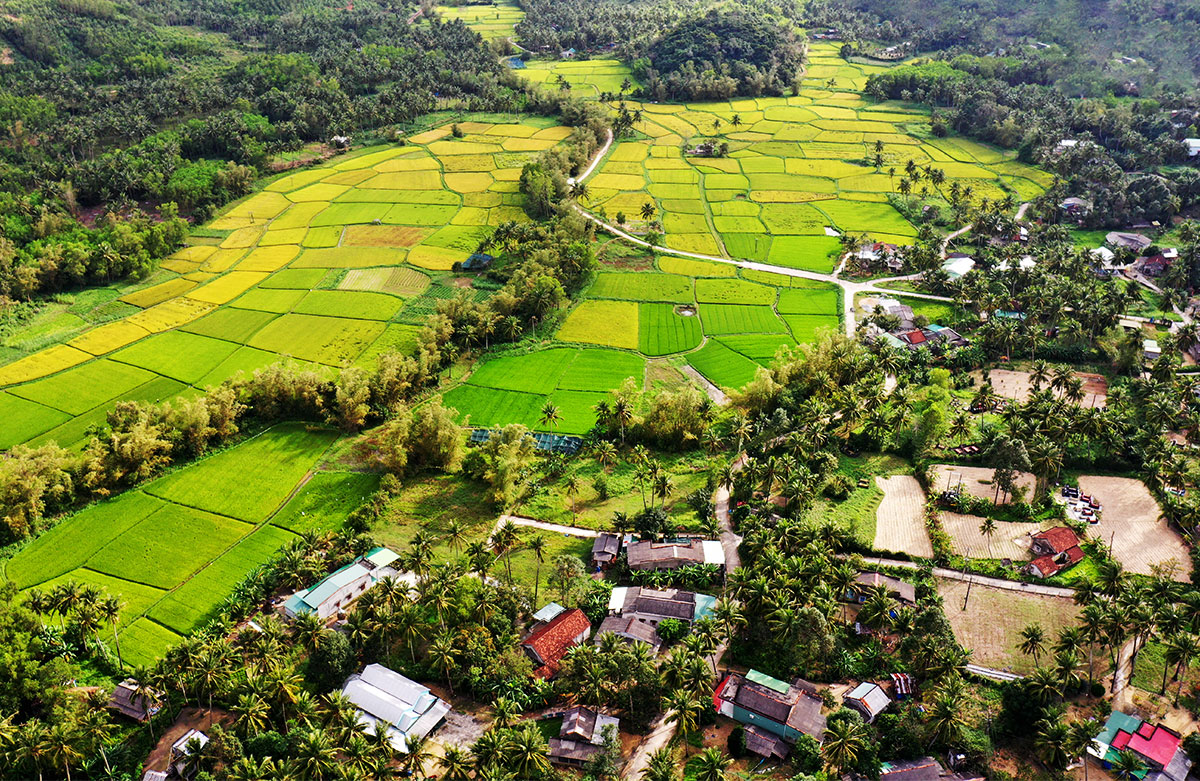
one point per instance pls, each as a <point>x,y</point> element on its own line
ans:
<point>333,594</point>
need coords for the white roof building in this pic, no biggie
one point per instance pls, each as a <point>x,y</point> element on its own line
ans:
<point>1193,146</point>
<point>1024,263</point>
<point>408,708</point>
<point>958,267</point>
<point>869,699</point>
<point>342,587</point>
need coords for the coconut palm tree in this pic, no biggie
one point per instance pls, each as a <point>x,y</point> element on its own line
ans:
<point>550,416</point>
<point>315,755</point>
<point>946,720</point>
<point>710,765</point>
<point>845,741</point>
<point>571,487</point>
<point>684,711</point>
<point>1080,735</point>
<point>647,211</point>
<point>527,752</point>
<point>1128,766</point>
<point>1033,641</point>
<point>1180,650</point>
<point>455,763</point>
<point>1052,743</point>
<point>988,529</point>
<point>661,766</point>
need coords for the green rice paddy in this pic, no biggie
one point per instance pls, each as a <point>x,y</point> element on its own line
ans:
<point>173,550</point>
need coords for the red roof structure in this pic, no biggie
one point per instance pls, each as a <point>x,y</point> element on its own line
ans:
<point>1059,539</point>
<point>549,644</point>
<point>1152,741</point>
<point>915,337</point>
<point>1050,566</point>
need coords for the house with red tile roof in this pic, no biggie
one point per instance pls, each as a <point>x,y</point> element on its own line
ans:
<point>548,644</point>
<point>1054,550</point>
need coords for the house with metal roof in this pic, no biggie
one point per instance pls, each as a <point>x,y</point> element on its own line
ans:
<point>605,549</point>
<point>673,554</point>
<point>581,736</point>
<point>182,749</point>
<point>869,699</point>
<point>1159,748</point>
<point>653,605</point>
<point>777,712</point>
<point>900,590</point>
<point>385,697</point>
<point>548,613</point>
<point>629,629</point>
<point>337,590</point>
<point>957,267</point>
<point>128,701</point>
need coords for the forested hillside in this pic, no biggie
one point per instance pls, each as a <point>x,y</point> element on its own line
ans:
<point>1160,41</point>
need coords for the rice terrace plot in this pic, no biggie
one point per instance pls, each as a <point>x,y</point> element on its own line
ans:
<point>174,549</point>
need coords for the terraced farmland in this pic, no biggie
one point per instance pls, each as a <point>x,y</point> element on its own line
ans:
<point>800,169</point>
<point>174,549</point>
<point>329,266</point>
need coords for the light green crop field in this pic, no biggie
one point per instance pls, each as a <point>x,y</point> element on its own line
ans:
<point>173,550</point>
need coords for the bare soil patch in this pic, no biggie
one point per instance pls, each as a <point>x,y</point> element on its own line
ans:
<point>975,480</point>
<point>1133,524</point>
<point>1012,384</point>
<point>1009,541</point>
<point>6,56</point>
<point>900,520</point>
<point>990,626</point>
<point>189,718</point>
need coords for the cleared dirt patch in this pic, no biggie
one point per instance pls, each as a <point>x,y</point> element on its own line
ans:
<point>991,625</point>
<point>1016,385</point>
<point>975,480</point>
<point>900,520</point>
<point>383,235</point>
<point>1009,541</point>
<point>397,281</point>
<point>1132,522</point>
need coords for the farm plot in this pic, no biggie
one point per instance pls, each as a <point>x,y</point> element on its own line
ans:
<point>607,323</point>
<point>900,517</point>
<point>173,551</point>
<point>664,329</point>
<point>24,420</point>
<point>642,287</point>
<point>720,319</point>
<point>250,480</point>
<point>1133,522</point>
<point>990,625</point>
<point>976,481</point>
<point>1009,541</point>
<point>514,389</point>
<point>722,366</point>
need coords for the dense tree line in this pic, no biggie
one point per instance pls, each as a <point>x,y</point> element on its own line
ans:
<point>1085,38</point>
<point>722,54</point>
<point>624,29</point>
<point>1123,147</point>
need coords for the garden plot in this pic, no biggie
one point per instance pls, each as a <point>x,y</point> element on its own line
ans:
<point>976,481</point>
<point>1017,385</point>
<point>1132,523</point>
<point>664,329</point>
<point>722,366</point>
<point>900,517</point>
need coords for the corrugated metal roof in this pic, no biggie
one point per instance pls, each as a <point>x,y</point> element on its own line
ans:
<point>763,679</point>
<point>549,612</point>
<point>382,557</point>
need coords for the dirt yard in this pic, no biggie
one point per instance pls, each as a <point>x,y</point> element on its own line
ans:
<point>1016,385</point>
<point>189,718</point>
<point>899,521</point>
<point>1133,524</point>
<point>1009,541</point>
<point>975,480</point>
<point>991,625</point>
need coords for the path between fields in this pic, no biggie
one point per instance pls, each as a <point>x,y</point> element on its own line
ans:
<point>716,394</point>
<point>557,528</point>
<point>1124,672</point>
<point>994,674</point>
<point>596,158</point>
<point>661,732</point>
<point>978,580</point>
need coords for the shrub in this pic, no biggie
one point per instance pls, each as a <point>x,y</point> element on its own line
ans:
<point>672,630</point>
<point>737,742</point>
